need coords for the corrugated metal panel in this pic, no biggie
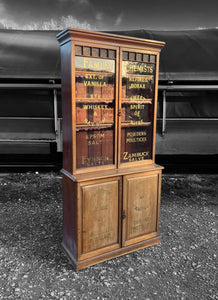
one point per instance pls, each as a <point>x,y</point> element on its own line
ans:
<point>187,55</point>
<point>29,54</point>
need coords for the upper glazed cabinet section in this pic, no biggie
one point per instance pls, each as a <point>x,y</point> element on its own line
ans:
<point>112,99</point>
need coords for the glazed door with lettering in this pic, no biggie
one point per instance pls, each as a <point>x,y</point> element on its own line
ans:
<point>99,217</point>
<point>96,105</point>
<point>138,98</point>
<point>140,207</point>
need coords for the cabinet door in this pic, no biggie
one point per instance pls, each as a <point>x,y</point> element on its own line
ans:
<point>140,207</point>
<point>95,98</point>
<point>138,100</point>
<point>99,217</point>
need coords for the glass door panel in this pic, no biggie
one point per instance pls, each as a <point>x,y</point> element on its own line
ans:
<point>95,106</point>
<point>137,106</point>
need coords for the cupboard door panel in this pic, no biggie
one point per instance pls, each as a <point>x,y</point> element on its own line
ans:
<point>100,210</point>
<point>141,206</point>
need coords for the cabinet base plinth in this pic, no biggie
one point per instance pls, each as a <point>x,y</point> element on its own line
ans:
<point>78,265</point>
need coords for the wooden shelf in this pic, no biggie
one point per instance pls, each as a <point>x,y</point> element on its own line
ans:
<point>94,126</point>
<point>128,101</point>
<point>127,124</point>
<point>94,100</point>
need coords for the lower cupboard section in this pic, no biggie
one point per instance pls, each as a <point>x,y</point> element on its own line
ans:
<point>106,218</point>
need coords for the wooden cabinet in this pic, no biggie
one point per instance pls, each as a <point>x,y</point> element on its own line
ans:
<point>111,184</point>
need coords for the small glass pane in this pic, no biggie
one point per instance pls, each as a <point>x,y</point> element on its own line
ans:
<point>131,56</point>
<point>95,52</point>
<point>78,50</point>
<point>152,58</point>
<point>104,53</point>
<point>112,54</point>
<point>138,56</point>
<point>145,57</point>
<point>87,51</point>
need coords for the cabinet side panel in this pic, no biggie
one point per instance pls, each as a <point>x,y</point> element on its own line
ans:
<point>66,105</point>
<point>159,199</point>
<point>69,216</point>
